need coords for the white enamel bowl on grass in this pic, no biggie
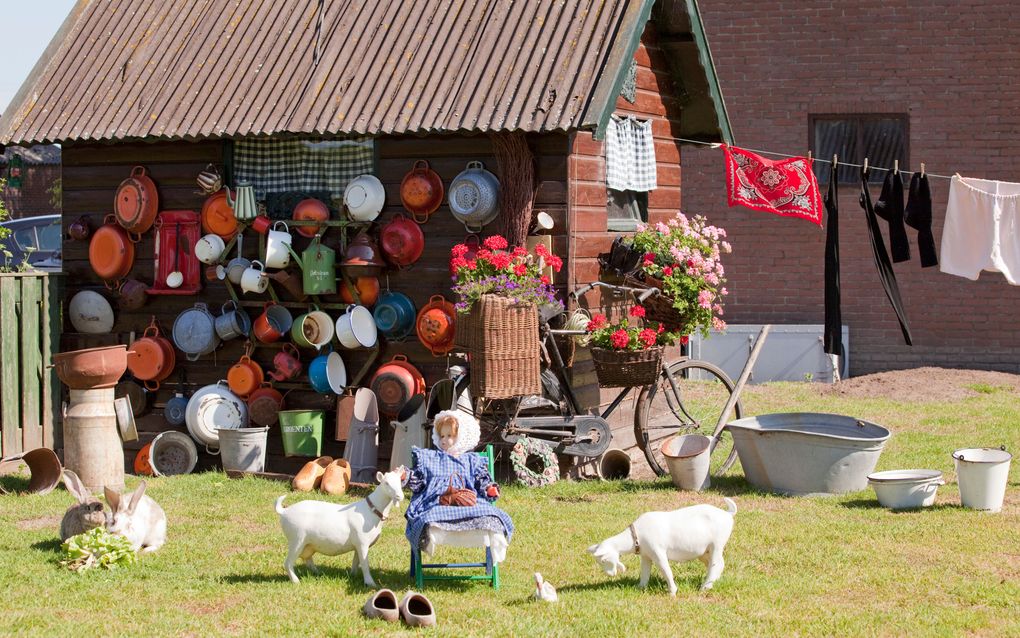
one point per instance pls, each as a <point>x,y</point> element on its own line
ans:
<point>906,489</point>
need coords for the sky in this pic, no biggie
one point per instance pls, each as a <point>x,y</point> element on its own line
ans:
<point>27,30</point>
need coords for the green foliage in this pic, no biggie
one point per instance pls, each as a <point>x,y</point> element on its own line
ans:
<point>96,548</point>
<point>56,193</point>
<point>4,234</point>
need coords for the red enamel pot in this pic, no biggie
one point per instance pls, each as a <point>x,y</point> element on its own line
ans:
<point>402,241</point>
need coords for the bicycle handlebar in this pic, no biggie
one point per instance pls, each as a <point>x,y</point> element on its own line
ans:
<point>645,293</point>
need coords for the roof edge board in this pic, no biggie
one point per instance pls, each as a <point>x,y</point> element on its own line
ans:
<point>57,41</point>
<point>708,64</point>
<point>614,73</point>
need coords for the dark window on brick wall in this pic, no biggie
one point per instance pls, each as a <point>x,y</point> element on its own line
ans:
<point>882,138</point>
<point>626,209</point>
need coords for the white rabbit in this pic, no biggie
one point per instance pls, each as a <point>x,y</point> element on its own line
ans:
<point>86,514</point>
<point>137,518</point>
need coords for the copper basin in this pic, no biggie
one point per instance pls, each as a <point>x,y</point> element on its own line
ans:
<point>92,368</point>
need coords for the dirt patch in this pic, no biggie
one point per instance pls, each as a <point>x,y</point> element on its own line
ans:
<point>925,385</point>
<point>213,607</point>
<point>43,522</point>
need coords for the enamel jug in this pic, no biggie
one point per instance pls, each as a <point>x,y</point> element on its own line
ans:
<point>318,275</point>
<point>243,202</point>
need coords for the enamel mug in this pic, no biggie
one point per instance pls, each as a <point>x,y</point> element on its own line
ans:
<point>254,279</point>
<point>278,246</point>
<point>209,248</point>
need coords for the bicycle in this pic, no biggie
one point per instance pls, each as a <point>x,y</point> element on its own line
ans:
<point>688,397</point>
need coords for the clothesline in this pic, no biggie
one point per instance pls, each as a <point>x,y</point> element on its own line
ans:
<point>813,159</point>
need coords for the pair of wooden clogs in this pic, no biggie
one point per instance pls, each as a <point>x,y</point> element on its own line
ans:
<point>332,477</point>
<point>415,608</point>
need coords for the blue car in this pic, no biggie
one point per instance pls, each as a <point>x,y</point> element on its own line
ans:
<point>35,240</point>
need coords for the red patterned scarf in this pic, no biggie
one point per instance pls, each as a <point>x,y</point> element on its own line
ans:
<point>784,187</point>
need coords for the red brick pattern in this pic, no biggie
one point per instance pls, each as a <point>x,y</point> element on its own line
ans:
<point>949,66</point>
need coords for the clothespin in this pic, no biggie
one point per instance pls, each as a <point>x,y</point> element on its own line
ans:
<point>922,169</point>
<point>835,161</point>
<point>896,167</point>
<point>865,164</point>
<point>715,145</point>
<point>810,160</point>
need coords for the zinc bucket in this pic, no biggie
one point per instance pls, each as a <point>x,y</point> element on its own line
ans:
<point>688,459</point>
<point>244,449</point>
<point>982,474</point>
<point>302,432</point>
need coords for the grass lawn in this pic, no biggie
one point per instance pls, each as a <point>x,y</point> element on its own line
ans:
<point>794,566</point>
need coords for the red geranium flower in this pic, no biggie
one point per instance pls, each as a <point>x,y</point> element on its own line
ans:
<point>459,250</point>
<point>457,263</point>
<point>597,322</point>
<point>555,262</point>
<point>471,265</point>
<point>495,242</point>
<point>684,339</point>
<point>519,251</point>
<point>544,280</point>
<point>483,255</point>
<point>500,260</point>
<point>620,339</point>
<point>541,250</point>
<point>648,337</point>
<point>637,311</point>
<point>520,269</point>
<point>667,271</point>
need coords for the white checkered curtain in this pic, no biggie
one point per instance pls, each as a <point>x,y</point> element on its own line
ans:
<point>274,165</point>
<point>630,154</point>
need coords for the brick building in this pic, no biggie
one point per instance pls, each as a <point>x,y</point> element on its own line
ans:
<point>39,168</point>
<point>944,73</point>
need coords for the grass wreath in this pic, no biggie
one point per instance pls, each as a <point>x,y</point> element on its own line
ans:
<point>526,447</point>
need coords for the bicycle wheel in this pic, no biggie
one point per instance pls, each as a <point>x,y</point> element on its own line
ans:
<point>702,391</point>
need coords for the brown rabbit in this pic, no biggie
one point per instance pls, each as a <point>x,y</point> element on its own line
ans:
<point>86,514</point>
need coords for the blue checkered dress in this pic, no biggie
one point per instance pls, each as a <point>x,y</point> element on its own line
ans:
<point>430,478</point>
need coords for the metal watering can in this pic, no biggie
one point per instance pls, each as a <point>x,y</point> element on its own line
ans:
<point>318,275</point>
<point>243,202</point>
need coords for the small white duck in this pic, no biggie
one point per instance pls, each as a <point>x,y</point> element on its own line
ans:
<point>544,591</point>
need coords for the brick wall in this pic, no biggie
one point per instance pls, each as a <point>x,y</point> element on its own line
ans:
<point>950,66</point>
<point>32,198</point>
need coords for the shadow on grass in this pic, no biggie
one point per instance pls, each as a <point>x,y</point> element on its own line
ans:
<point>389,578</point>
<point>49,545</point>
<point>872,504</point>
<point>13,483</point>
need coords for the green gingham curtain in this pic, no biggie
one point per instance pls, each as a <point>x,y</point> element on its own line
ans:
<point>274,165</point>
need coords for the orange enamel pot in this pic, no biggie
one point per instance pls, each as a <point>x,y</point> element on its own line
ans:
<point>368,291</point>
<point>218,217</point>
<point>111,251</point>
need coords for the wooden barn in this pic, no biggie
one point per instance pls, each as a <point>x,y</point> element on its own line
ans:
<point>356,87</point>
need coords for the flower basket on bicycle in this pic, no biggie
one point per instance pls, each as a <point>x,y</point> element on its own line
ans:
<point>501,291</point>
<point>623,368</point>
<point>660,307</point>
<point>505,353</point>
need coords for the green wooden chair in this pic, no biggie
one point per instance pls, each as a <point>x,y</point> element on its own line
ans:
<point>418,569</point>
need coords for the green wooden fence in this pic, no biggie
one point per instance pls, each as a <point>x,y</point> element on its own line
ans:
<point>29,335</point>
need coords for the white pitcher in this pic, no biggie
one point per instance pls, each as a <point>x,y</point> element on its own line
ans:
<point>277,243</point>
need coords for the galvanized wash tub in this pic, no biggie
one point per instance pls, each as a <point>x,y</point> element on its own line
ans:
<point>807,453</point>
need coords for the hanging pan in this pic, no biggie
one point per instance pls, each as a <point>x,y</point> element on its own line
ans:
<point>111,252</point>
<point>421,191</point>
<point>136,203</point>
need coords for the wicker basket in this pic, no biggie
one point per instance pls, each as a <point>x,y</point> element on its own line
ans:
<point>622,368</point>
<point>658,308</point>
<point>504,348</point>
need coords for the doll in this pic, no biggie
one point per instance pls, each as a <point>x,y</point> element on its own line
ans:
<point>453,465</point>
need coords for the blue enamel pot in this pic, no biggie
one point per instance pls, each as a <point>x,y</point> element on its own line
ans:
<point>394,314</point>
<point>327,374</point>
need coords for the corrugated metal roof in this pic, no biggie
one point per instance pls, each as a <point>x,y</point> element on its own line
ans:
<point>191,69</point>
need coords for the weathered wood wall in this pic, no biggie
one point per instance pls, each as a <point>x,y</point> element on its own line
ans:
<point>93,172</point>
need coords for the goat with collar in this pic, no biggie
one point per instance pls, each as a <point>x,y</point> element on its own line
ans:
<point>699,531</point>
<point>330,528</point>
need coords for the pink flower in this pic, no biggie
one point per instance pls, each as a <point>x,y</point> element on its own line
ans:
<point>495,242</point>
<point>718,324</point>
<point>662,228</point>
<point>620,339</point>
<point>705,298</point>
<point>726,247</point>
<point>667,271</point>
<point>723,291</point>
<point>637,311</point>
<point>649,259</point>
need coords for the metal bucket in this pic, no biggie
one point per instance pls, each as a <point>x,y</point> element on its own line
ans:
<point>613,465</point>
<point>92,447</point>
<point>244,449</point>
<point>172,453</point>
<point>688,459</point>
<point>982,474</point>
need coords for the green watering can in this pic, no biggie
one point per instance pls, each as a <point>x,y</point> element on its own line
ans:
<point>318,275</point>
